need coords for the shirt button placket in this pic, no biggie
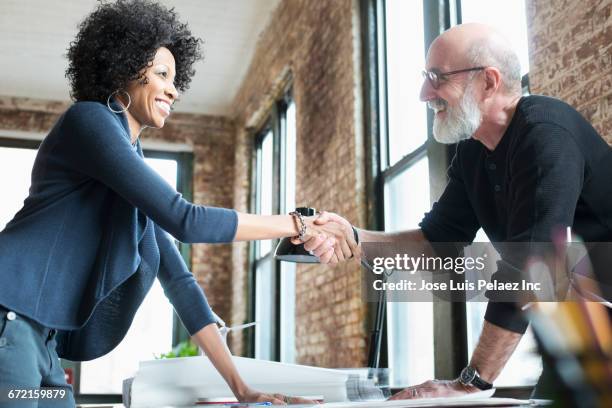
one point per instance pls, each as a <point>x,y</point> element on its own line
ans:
<point>493,177</point>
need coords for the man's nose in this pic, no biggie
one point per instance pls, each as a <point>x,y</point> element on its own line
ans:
<point>427,92</point>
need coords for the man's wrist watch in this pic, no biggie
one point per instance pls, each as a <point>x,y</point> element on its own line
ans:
<point>469,376</point>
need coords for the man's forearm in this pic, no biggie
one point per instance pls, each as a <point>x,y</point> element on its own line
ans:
<point>494,348</point>
<point>413,235</point>
<point>411,242</point>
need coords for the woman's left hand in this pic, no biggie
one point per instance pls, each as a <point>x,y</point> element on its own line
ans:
<point>251,395</point>
<point>276,399</point>
<point>295,400</point>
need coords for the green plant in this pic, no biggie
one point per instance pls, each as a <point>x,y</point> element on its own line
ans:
<point>183,349</point>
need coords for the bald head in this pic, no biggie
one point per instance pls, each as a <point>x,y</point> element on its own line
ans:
<point>474,44</point>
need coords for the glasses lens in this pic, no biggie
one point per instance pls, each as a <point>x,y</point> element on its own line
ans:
<point>433,79</point>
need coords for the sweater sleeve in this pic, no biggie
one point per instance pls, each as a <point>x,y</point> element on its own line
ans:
<point>180,286</point>
<point>546,173</point>
<point>97,145</point>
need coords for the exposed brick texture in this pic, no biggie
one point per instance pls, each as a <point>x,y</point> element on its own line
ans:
<point>212,139</point>
<point>312,42</point>
<point>570,49</point>
<point>28,115</point>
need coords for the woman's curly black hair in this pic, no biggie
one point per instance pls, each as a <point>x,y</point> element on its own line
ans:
<point>118,40</point>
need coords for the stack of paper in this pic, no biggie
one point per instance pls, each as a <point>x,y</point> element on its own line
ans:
<point>183,381</point>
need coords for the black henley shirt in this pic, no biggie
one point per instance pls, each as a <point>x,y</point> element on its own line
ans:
<point>551,169</point>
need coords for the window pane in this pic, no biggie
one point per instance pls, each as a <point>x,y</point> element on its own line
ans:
<point>411,357</point>
<point>405,61</point>
<point>507,16</point>
<point>287,269</point>
<point>407,197</point>
<point>149,335</point>
<point>290,158</point>
<point>287,310</point>
<point>166,168</point>
<point>15,178</point>
<point>264,309</point>
<point>267,181</point>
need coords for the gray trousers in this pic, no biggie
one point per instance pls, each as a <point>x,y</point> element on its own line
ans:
<point>29,361</point>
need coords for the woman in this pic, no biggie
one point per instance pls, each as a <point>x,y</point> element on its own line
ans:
<point>79,257</point>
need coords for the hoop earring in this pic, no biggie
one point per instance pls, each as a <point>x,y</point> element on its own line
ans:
<point>124,109</point>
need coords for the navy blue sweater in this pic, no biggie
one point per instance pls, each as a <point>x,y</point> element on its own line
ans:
<point>85,248</point>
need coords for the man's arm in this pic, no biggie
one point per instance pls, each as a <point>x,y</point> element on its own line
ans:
<point>494,348</point>
<point>414,235</point>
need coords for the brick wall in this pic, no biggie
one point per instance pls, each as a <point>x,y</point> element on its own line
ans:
<point>212,140</point>
<point>29,115</point>
<point>311,44</point>
<point>570,52</point>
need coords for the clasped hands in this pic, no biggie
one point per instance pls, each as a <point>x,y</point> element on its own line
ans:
<point>330,238</point>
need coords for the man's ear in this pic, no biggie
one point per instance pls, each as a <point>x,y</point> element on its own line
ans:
<point>493,80</point>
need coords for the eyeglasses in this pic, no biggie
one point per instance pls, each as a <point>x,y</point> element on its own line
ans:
<point>434,77</point>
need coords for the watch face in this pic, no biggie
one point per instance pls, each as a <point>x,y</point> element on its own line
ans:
<point>467,375</point>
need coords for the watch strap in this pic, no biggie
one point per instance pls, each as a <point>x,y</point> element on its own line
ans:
<point>481,384</point>
<point>469,376</point>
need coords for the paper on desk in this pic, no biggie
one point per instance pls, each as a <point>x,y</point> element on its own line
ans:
<point>481,399</point>
<point>182,381</point>
<point>430,402</point>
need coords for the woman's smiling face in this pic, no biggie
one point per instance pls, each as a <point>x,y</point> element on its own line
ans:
<point>151,99</point>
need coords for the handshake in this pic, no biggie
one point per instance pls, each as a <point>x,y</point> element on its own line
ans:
<point>330,238</point>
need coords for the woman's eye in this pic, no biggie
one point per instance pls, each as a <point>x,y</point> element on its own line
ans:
<point>164,74</point>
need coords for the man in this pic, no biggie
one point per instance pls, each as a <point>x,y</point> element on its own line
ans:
<point>524,166</point>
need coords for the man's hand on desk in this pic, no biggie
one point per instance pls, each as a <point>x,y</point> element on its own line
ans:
<point>435,389</point>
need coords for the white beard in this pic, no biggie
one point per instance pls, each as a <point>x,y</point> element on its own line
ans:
<point>461,121</point>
